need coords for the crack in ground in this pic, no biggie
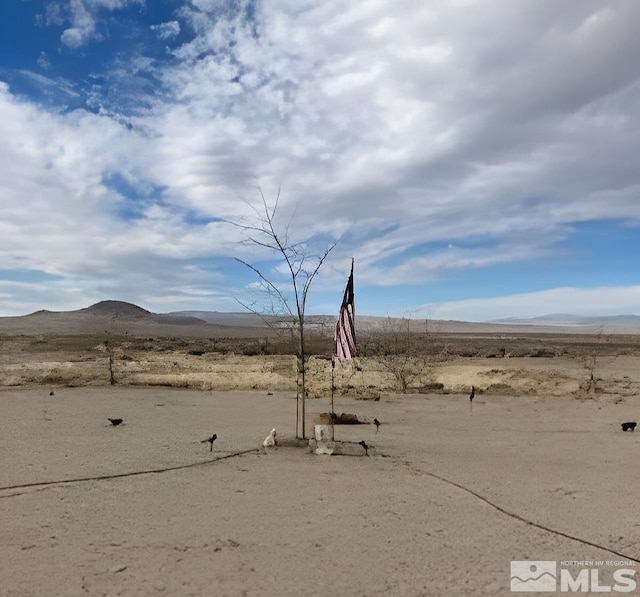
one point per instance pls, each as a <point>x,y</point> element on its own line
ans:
<point>44,484</point>
<point>520,518</point>
<point>475,494</point>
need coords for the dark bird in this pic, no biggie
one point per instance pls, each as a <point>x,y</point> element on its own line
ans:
<point>377,424</point>
<point>473,394</point>
<point>51,393</point>
<point>629,426</point>
<point>115,422</point>
<point>210,440</point>
<point>364,445</point>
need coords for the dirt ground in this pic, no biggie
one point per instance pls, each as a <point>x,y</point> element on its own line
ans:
<point>536,468</point>
<point>450,494</point>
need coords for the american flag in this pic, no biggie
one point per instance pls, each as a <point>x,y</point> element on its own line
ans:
<point>345,336</point>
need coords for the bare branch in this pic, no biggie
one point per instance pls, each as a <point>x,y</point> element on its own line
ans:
<point>296,255</point>
<point>269,284</point>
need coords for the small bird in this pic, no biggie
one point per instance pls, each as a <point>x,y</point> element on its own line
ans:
<point>473,393</point>
<point>115,422</point>
<point>377,424</point>
<point>210,440</point>
<point>51,393</point>
<point>629,426</point>
<point>364,445</point>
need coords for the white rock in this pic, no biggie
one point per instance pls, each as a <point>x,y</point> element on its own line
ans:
<point>270,440</point>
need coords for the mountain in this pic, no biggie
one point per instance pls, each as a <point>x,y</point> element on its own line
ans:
<point>116,309</point>
<point>128,311</point>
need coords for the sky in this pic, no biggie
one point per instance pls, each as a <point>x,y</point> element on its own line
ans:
<point>476,159</point>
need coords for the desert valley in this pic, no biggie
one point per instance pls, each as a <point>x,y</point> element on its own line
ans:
<point>449,493</point>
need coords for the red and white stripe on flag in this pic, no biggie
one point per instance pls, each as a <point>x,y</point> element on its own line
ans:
<point>345,336</point>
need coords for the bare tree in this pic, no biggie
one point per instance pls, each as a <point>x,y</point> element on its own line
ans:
<point>401,349</point>
<point>589,387</point>
<point>302,267</point>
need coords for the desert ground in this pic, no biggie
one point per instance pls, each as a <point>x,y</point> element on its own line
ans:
<point>451,492</point>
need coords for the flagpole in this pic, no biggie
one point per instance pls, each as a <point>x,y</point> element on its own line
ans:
<point>333,414</point>
<point>297,404</point>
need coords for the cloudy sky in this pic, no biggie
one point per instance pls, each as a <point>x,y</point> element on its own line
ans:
<point>477,159</point>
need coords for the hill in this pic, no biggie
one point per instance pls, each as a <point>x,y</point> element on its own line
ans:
<point>128,311</point>
<point>105,317</point>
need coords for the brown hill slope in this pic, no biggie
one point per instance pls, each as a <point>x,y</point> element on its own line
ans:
<point>111,317</point>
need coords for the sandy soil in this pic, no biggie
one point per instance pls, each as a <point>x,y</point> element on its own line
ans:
<point>448,497</point>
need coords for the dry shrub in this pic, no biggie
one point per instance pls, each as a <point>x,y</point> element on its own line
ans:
<point>499,388</point>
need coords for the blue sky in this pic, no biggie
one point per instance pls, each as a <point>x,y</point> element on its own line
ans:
<point>478,160</point>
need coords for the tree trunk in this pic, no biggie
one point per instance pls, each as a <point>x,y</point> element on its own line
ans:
<point>112,377</point>
<point>302,370</point>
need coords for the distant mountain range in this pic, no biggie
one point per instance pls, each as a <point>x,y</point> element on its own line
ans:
<point>606,322</point>
<point>611,324</point>
<point>112,316</point>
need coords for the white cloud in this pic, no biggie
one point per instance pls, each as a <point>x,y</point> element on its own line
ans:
<point>62,218</point>
<point>51,87</point>
<point>82,15</point>
<point>83,28</point>
<point>53,14</point>
<point>166,30</point>
<point>357,101</point>
<point>43,61</point>
<point>400,124</point>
